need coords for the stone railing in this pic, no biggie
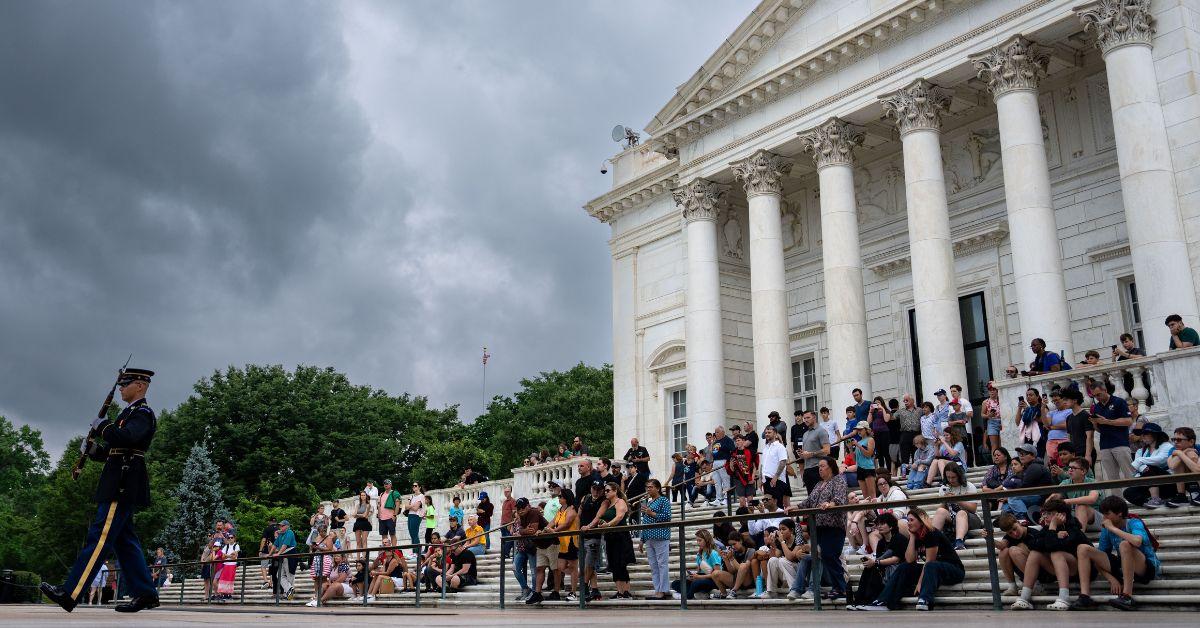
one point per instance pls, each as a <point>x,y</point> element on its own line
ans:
<point>1166,385</point>
<point>530,482</point>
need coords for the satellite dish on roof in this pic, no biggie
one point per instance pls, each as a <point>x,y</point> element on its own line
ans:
<point>622,133</point>
<point>618,133</point>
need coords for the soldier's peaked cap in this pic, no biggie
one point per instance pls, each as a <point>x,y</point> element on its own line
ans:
<point>135,375</point>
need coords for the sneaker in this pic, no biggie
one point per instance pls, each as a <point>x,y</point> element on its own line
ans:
<point>1175,501</point>
<point>571,597</point>
<point>861,550</point>
<point>1083,603</point>
<point>1021,605</point>
<point>553,597</point>
<point>595,596</point>
<point>311,603</point>
<point>959,545</point>
<point>732,595</point>
<point>534,598</point>
<point>291,594</point>
<point>1154,502</point>
<point>1059,605</point>
<point>715,595</point>
<point>1123,602</point>
<point>625,596</point>
<point>357,598</point>
<point>1194,498</point>
<point>853,607</point>
<point>758,595</point>
<point>370,598</point>
<point>675,595</point>
<point>874,606</point>
<point>922,605</point>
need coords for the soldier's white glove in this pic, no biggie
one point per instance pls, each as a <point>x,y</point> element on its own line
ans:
<point>97,421</point>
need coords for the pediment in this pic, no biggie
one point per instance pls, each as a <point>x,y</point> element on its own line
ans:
<point>735,61</point>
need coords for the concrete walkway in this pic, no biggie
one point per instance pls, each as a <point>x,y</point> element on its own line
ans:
<point>44,615</point>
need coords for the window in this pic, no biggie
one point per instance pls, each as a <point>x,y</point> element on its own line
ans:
<point>1132,311</point>
<point>679,431</point>
<point>804,383</point>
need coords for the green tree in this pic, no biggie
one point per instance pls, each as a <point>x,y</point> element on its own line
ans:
<point>61,515</point>
<point>443,462</point>
<point>252,517</point>
<point>551,408</point>
<point>23,465</point>
<point>200,503</point>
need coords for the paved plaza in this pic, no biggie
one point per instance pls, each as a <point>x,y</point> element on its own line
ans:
<point>30,615</point>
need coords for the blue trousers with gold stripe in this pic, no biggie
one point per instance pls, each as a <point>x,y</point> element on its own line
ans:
<point>111,532</point>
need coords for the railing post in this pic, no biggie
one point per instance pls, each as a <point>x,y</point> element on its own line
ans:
<point>243,599</point>
<point>683,581</point>
<point>442,566</point>
<point>814,549</point>
<point>367,574</point>
<point>990,542</point>
<point>276,564</point>
<point>182,583</point>
<point>320,589</point>
<point>580,583</point>
<point>502,570</point>
<point>419,584</point>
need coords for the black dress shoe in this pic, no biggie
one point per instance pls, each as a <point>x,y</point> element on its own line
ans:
<point>58,596</point>
<point>138,604</point>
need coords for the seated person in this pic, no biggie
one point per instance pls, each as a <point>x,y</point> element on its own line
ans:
<point>1185,459</point>
<point>889,552</point>
<point>923,455</point>
<point>783,567</point>
<point>461,571</point>
<point>735,559</point>
<point>1013,550</point>
<point>708,574</point>
<point>942,566</point>
<point>475,535</point>
<point>455,532</point>
<point>1054,549</point>
<point>758,562</point>
<point>1125,555</point>
<point>394,568</point>
<point>1034,473</point>
<point>756,526</point>
<point>1000,470</point>
<point>1152,458</point>
<point>1058,465</point>
<point>338,585</point>
<point>949,449</point>
<point>1081,500</point>
<point>706,486</point>
<point>962,513</point>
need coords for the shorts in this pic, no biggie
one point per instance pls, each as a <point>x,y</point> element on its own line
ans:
<point>591,553</point>
<point>362,525</point>
<point>399,582</point>
<point>1114,566</point>
<point>466,580</point>
<point>347,590</point>
<point>572,553</point>
<point>778,491</point>
<point>548,557</point>
<point>265,563</point>
<point>387,527</point>
<point>743,490</point>
<point>993,427</point>
<point>864,474</point>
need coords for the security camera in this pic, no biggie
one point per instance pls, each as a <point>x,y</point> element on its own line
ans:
<point>604,166</point>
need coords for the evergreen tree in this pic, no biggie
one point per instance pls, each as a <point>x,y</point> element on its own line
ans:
<point>200,503</point>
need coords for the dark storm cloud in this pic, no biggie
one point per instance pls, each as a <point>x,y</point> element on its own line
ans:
<point>382,188</point>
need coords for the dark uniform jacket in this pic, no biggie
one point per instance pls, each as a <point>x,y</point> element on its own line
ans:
<point>124,478</point>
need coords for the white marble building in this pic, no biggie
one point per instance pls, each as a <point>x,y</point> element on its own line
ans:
<point>899,195</point>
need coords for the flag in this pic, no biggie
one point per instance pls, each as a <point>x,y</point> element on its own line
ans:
<point>486,355</point>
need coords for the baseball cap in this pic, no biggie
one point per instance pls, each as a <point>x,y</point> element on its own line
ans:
<point>1027,449</point>
<point>284,523</point>
<point>482,494</point>
<point>522,502</point>
<point>939,392</point>
<point>1149,428</point>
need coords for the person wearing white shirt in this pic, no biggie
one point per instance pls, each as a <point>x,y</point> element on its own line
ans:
<point>756,526</point>
<point>773,460</point>
<point>371,491</point>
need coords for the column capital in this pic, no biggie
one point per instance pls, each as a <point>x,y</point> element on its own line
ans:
<point>1118,23</point>
<point>762,172</point>
<point>1016,65</point>
<point>832,143</point>
<point>917,107</point>
<point>700,199</point>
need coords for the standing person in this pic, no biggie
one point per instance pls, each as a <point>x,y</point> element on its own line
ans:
<point>1044,361</point>
<point>1056,424</point>
<point>389,503</point>
<point>229,553</point>
<point>752,437</point>
<point>484,510</point>
<point>430,519</point>
<point>830,534</point>
<point>991,414</point>
<point>909,419</point>
<point>678,473</point>
<point>640,458</point>
<point>1182,336</point>
<point>587,475</point>
<point>124,489</point>
<point>527,522</point>
<point>862,407</point>
<point>742,465</point>
<point>1080,431</point>
<point>882,433</point>
<point>578,448</point>
<point>455,511</point>
<point>969,420</point>
<point>815,444</point>
<point>774,460</point>
<point>589,508</point>
<point>337,524</point>
<point>284,568</point>
<point>364,509</point>
<point>371,490</point>
<point>315,521</point>
<point>96,589</point>
<point>656,542</point>
<point>795,435</point>
<point>618,544</point>
<point>265,545</point>
<point>566,547</point>
<point>722,449</point>
<point>864,458</point>
<point>159,572</point>
<point>508,514</point>
<point>415,510</point>
<point>1110,417</point>
<point>774,421</point>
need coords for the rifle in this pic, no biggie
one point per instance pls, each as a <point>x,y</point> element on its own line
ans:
<point>90,443</point>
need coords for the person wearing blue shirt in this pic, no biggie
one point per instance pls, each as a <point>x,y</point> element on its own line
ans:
<point>1110,416</point>
<point>708,574</point>
<point>722,449</point>
<point>657,541</point>
<point>456,510</point>
<point>284,569</point>
<point>1044,361</point>
<point>1124,556</point>
<point>862,407</point>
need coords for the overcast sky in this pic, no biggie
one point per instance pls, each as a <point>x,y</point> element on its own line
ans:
<point>383,188</point>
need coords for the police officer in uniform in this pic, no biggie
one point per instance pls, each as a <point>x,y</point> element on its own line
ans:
<point>124,488</point>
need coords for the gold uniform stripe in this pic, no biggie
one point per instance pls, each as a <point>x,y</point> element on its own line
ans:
<point>87,571</point>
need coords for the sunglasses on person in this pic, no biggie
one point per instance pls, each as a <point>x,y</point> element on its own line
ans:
<point>1177,439</point>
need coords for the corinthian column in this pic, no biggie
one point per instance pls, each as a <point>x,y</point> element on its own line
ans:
<point>763,173</point>
<point>700,201</point>
<point>832,145</point>
<point>917,110</point>
<point>1123,30</point>
<point>1012,72</point>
